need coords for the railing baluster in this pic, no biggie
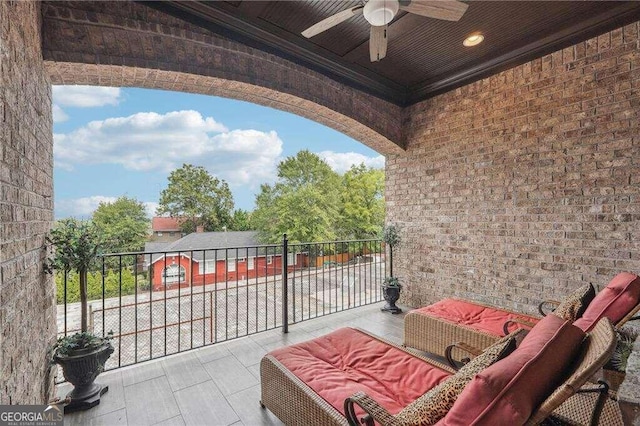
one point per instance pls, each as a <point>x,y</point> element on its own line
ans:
<point>246,285</point>
<point>226,294</point>
<point>235,262</point>
<point>151,307</point>
<point>285,285</point>
<point>215,294</point>
<point>103,298</point>
<point>324,302</point>
<point>211,316</point>
<point>165,303</point>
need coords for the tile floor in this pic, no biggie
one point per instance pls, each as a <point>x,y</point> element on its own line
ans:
<point>215,385</point>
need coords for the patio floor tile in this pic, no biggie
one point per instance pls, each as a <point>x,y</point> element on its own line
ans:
<point>230,375</point>
<point>246,405</point>
<point>203,404</point>
<point>184,370</point>
<point>150,402</point>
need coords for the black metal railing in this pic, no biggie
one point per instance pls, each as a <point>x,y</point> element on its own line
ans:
<point>165,302</point>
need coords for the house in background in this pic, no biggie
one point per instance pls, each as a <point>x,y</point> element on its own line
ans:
<point>230,256</point>
<point>165,229</point>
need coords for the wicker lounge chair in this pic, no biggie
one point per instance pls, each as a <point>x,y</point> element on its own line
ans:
<point>436,327</point>
<point>295,401</point>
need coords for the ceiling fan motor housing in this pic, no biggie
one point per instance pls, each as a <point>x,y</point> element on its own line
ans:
<point>380,12</point>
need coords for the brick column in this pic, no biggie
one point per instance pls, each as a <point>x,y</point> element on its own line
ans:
<point>27,295</point>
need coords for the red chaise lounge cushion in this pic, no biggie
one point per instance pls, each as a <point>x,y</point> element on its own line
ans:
<point>478,317</point>
<point>347,361</point>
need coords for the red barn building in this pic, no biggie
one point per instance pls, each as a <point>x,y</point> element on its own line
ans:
<point>213,257</point>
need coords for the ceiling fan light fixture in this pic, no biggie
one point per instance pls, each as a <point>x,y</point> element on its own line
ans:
<point>380,12</point>
<point>473,40</point>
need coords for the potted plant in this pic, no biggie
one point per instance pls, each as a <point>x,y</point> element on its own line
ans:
<point>614,371</point>
<point>82,355</point>
<point>391,285</point>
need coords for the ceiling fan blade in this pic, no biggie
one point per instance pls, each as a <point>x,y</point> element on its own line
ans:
<point>449,10</point>
<point>332,21</point>
<point>378,43</point>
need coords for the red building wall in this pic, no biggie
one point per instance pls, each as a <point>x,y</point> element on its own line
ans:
<point>192,275</point>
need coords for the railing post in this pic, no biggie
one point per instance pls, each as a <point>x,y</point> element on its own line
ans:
<point>285,284</point>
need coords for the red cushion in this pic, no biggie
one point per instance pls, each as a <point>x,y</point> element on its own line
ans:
<point>478,317</point>
<point>508,391</point>
<point>341,363</point>
<point>615,301</point>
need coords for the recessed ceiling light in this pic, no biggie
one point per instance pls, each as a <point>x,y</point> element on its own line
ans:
<point>473,39</point>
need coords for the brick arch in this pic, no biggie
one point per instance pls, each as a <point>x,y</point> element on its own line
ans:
<point>130,45</point>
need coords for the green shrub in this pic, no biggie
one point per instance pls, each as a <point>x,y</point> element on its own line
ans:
<point>94,285</point>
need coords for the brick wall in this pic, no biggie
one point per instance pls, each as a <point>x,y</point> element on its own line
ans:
<point>27,302</point>
<point>525,184</point>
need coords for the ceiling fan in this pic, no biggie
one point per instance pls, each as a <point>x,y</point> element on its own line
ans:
<point>379,13</point>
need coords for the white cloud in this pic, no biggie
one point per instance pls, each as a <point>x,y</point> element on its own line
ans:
<point>81,207</point>
<point>340,162</point>
<point>150,208</point>
<point>148,141</point>
<point>58,114</point>
<point>85,96</point>
<point>84,207</point>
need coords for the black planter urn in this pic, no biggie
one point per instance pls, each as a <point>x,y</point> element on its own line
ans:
<point>391,295</point>
<point>81,369</point>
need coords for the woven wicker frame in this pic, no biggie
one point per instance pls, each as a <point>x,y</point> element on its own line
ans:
<point>629,316</point>
<point>577,411</point>
<point>295,403</point>
<point>432,334</point>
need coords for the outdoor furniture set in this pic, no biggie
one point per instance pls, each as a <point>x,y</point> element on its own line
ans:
<point>352,377</point>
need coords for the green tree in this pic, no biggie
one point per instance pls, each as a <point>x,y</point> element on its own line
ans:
<point>198,198</point>
<point>123,224</point>
<point>303,203</point>
<point>75,246</point>
<point>241,220</point>
<point>362,211</point>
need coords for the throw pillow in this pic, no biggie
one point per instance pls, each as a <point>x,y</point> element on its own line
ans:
<point>434,405</point>
<point>575,304</point>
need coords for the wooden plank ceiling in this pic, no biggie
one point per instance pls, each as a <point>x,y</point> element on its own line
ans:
<point>425,56</point>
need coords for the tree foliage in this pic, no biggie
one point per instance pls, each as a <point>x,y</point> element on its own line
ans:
<point>303,203</point>
<point>241,221</point>
<point>310,202</point>
<point>362,210</point>
<point>123,225</point>
<point>198,198</point>
<point>75,245</point>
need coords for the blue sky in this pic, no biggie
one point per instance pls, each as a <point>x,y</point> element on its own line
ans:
<point>110,142</point>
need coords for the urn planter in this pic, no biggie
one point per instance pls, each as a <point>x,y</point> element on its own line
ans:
<point>391,294</point>
<point>80,368</point>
